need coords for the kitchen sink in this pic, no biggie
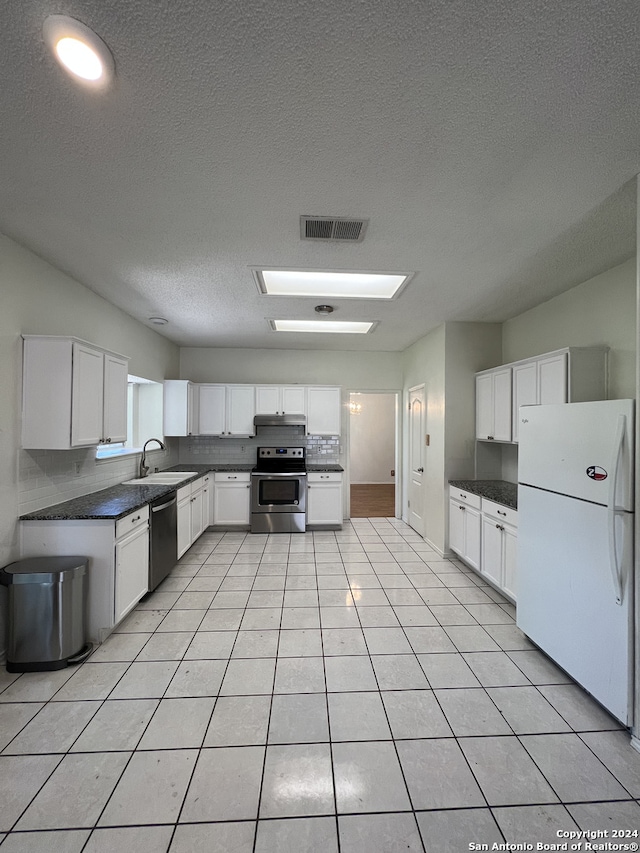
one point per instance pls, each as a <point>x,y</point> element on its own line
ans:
<point>162,478</point>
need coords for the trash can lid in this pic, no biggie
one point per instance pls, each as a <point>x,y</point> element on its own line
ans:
<point>43,570</point>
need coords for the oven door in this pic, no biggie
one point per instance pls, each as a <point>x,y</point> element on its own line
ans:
<point>278,492</point>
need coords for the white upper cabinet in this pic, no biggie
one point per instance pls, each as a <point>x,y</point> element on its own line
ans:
<point>116,374</point>
<point>493,405</point>
<point>324,410</point>
<point>73,394</point>
<point>570,375</point>
<point>180,407</point>
<point>281,400</point>
<point>213,409</point>
<point>226,410</point>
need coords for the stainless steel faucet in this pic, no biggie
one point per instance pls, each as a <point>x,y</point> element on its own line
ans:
<point>143,470</point>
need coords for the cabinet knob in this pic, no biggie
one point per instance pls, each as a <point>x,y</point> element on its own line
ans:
<point>462,507</point>
<point>137,518</point>
<point>420,470</point>
<point>501,513</point>
<point>109,440</point>
<point>490,438</point>
<point>500,527</point>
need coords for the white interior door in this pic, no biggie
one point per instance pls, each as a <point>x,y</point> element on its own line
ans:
<point>416,459</point>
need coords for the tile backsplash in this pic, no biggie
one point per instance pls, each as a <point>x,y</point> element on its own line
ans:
<point>243,451</point>
<point>47,477</point>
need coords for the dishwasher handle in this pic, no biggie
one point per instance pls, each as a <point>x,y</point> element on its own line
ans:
<point>165,505</point>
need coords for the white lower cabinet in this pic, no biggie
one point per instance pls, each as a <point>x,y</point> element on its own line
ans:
<point>207,501</point>
<point>484,534</point>
<point>192,521</point>
<point>231,498</point>
<point>324,498</point>
<point>132,565</point>
<point>464,526</point>
<point>499,541</point>
<point>118,568</point>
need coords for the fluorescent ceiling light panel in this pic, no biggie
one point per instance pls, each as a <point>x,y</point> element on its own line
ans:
<point>339,285</point>
<point>326,326</point>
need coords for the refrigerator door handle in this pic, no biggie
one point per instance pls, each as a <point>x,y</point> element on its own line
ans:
<point>612,512</point>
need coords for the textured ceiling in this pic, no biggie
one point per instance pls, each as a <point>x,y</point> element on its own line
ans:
<point>492,146</point>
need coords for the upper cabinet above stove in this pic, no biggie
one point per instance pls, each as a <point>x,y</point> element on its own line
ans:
<point>281,400</point>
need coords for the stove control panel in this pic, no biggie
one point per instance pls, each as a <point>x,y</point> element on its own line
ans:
<point>297,453</point>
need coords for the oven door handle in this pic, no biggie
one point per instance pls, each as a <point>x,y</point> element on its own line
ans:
<point>273,475</point>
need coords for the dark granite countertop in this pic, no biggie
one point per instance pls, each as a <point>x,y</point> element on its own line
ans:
<point>117,501</point>
<point>112,503</point>
<point>499,491</point>
<point>315,467</point>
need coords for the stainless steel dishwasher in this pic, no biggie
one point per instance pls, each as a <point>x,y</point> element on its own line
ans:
<point>163,538</point>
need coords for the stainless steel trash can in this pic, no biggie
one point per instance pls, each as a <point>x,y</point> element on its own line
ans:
<point>46,613</point>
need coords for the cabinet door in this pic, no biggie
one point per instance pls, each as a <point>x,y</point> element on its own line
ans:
<point>492,547</point>
<point>324,411</point>
<point>241,408</point>
<point>509,575</point>
<point>232,503</point>
<point>184,525</point>
<point>324,503</point>
<point>456,527</point>
<point>294,400</point>
<point>197,519</point>
<point>552,379</point>
<point>115,398</point>
<point>180,407</point>
<point>267,400</point>
<point>132,571</point>
<point>472,534</point>
<point>484,406</point>
<point>502,412</point>
<point>207,501</point>
<point>87,396</point>
<point>525,391</point>
<point>213,409</point>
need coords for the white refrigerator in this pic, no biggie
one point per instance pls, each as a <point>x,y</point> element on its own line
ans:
<point>575,543</point>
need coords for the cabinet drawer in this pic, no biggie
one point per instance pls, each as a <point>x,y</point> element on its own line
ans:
<point>183,492</point>
<point>132,521</point>
<point>465,497</point>
<point>233,476</point>
<point>500,512</point>
<point>324,477</point>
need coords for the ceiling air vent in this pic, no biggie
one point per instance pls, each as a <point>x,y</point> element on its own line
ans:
<point>332,228</point>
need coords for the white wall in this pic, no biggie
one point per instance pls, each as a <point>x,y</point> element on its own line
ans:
<point>39,299</point>
<point>600,311</point>
<point>372,439</point>
<point>369,371</point>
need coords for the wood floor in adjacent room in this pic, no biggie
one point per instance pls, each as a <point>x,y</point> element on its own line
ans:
<point>373,500</point>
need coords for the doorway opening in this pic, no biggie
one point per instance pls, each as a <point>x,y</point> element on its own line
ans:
<point>373,454</point>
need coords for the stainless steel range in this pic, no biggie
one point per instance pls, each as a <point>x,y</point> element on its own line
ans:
<point>279,490</point>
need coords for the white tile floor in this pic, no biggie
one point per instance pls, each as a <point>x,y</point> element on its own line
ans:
<point>345,692</point>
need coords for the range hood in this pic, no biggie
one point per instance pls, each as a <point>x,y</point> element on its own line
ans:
<point>280,421</point>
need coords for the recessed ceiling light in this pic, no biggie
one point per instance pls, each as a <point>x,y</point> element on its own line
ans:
<point>330,283</point>
<point>158,321</point>
<point>79,50</point>
<point>326,326</point>
<point>324,309</point>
